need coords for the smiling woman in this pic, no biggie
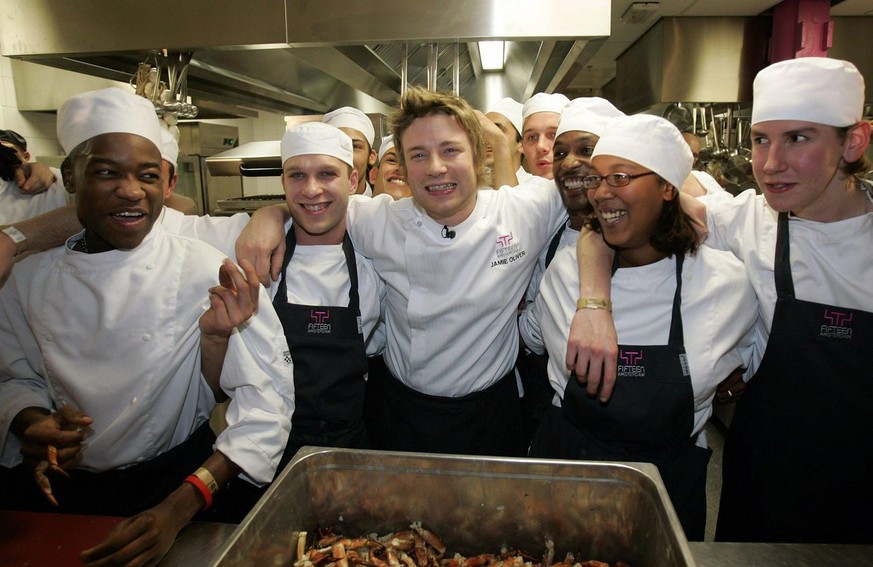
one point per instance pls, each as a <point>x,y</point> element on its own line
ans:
<point>676,342</point>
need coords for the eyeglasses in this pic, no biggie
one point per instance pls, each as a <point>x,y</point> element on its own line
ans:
<point>613,179</point>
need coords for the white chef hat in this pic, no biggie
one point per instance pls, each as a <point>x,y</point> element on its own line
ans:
<point>106,111</point>
<point>650,141</point>
<point>587,114</point>
<point>387,144</point>
<point>349,117</point>
<point>316,138</point>
<point>169,147</point>
<point>511,109</point>
<point>811,89</point>
<point>544,102</point>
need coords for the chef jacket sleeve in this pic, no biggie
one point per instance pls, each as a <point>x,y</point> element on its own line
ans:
<point>258,376</point>
<point>21,386</point>
<point>219,232</point>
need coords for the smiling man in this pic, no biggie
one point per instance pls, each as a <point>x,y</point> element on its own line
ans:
<point>456,261</point>
<point>582,121</point>
<point>388,175</point>
<point>328,297</point>
<point>100,358</point>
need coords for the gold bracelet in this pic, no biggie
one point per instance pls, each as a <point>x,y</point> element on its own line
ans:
<point>593,303</point>
<point>204,475</point>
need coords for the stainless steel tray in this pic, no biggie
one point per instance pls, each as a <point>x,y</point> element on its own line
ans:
<point>604,511</point>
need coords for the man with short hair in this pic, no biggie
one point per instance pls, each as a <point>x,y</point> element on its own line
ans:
<point>456,261</point>
<point>328,296</point>
<point>541,114</point>
<point>359,128</point>
<point>101,368</point>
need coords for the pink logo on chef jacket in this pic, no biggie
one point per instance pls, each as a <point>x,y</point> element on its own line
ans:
<point>836,325</point>
<point>631,363</point>
<point>506,251</point>
<point>319,325</point>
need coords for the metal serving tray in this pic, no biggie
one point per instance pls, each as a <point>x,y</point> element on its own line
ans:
<point>603,511</point>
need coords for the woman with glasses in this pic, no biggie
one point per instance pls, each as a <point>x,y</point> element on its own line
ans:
<point>683,316</point>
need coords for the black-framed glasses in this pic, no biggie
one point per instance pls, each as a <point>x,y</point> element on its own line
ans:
<point>613,179</point>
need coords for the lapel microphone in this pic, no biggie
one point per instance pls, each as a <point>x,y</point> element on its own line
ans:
<point>448,233</point>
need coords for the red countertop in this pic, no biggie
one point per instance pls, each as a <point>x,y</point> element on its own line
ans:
<point>35,538</point>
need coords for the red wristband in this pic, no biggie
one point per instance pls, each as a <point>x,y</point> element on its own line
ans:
<point>202,489</point>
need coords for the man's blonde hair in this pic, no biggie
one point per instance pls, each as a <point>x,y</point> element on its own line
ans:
<point>419,102</point>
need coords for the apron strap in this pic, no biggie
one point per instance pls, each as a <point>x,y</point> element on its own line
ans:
<point>351,264</point>
<point>677,335</point>
<point>553,245</point>
<point>782,262</point>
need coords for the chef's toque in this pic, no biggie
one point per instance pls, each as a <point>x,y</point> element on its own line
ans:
<point>316,138</point>
<point>587,114</point>
<point>544,102</point>
<point>810,89</point>
<point>106,111</point>
<point>650,141</point>
<point>512,110</point>
<point>349,117</point>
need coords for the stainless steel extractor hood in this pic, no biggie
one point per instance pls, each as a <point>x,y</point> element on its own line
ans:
<point>306,57</point>
<point>703,60</point>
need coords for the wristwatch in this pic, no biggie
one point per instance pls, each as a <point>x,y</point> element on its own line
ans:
<point>17,237</point>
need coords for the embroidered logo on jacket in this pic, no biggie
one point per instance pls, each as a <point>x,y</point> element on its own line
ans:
<point>506,251</point>
<point>631,363</point>
<point>837,325</point>
<point>319,323</point>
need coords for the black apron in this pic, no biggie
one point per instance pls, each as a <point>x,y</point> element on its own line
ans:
<point>649,418</point>
<point>798,460</point>
<point>481,423</point>
<point>330,365</point>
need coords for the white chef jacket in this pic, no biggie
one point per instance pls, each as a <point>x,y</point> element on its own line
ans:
<point>718,313</point>
<point>451,304</point>
<point>218,232</point>
<point>317,275</point>
<point>831,263</point>
<point>708,182</point>
<point>522,175</point>
<point>116,335</point>
<point>16,206</point>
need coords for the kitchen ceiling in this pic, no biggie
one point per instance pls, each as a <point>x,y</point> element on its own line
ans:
<point>305,57</point>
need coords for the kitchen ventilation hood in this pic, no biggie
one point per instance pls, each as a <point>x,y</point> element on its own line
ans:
<point>692,60</point>
<point>306,57</point>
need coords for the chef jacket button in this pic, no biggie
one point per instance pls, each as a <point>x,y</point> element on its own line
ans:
<point>134,400</point>
<point>418,223</point>
<point>146,337</point>
<point>150,266</point>
<point>48,338</point>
